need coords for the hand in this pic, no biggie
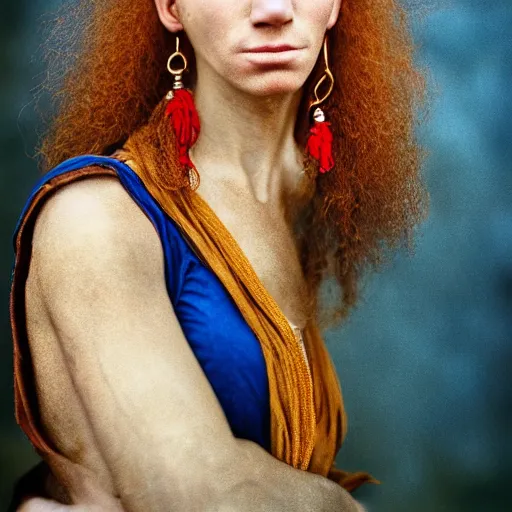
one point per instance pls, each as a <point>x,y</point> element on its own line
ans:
<point>44,505</point>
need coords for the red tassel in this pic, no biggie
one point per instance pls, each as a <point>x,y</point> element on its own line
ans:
<point>319,145</point>
<point>184,121</point>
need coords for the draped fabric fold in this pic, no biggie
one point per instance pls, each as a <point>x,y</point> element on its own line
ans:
<point>308,420</point>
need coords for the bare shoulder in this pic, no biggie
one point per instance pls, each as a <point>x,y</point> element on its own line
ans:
<point>93,221</point>
<point>109,345</point>
<point>99,202</point>
<point>90,239</point>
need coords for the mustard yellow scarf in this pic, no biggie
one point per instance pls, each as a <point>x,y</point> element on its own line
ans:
<point>308,420</point>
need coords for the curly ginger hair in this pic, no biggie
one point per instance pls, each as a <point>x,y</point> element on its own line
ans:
<point>109,76</point>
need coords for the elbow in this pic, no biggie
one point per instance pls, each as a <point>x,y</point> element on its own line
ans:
<point>200,479</point>
<point>223,474</point>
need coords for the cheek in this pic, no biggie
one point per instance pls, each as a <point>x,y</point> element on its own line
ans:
<point>208,25</point>
<point>317,14</point>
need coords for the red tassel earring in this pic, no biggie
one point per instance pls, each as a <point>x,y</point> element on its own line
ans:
<point>319,142</point>
<point>181,110</point>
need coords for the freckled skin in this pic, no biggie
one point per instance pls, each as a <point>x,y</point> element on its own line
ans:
<point>249,164</point>
<point>246,181</point>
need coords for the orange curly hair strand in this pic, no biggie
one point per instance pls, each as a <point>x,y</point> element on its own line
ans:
<point>111,80</point>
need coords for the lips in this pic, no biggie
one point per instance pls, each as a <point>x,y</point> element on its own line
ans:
<point>271,48</point>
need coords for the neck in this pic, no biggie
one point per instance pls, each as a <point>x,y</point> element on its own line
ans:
<point>247,140</point>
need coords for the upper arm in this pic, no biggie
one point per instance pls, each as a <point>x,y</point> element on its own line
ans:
<point>98,265</point>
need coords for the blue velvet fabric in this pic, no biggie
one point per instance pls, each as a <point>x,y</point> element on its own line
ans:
<point>225,346</point>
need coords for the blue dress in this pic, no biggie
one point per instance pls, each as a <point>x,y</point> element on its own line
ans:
<point>227,349</point>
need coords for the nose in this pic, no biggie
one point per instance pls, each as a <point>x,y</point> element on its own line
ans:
<point>271,12</point>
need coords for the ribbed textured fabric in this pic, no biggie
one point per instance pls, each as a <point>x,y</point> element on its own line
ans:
<point>259,373</point>
<point>227,350</point>
<point>307,416</point>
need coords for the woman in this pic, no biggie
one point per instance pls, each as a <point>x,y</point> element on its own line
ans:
<point>164,302</point>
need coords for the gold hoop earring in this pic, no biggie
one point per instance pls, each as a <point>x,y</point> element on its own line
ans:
<point>319,142</point>
<point>326,76</point>
<point>181,111</point>
<point>177,73</point>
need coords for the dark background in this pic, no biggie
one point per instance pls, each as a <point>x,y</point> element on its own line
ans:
<point>425,360</point>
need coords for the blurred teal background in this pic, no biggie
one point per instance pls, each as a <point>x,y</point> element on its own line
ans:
<point>425,360</point>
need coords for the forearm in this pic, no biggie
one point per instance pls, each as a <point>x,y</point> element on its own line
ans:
<point>249,479</point>
<point>266,484</point>
<point>254,481</point>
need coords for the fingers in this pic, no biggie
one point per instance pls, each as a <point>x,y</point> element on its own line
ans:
<point>39,505</point>
<point>44,505</point>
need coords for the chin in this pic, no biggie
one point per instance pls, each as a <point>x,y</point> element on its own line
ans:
<point>272,83</point>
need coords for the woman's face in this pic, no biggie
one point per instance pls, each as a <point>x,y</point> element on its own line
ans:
<point>225,33</point>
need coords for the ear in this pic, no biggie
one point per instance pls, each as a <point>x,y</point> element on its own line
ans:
<point>168,14</point>
<point>336,7</point>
